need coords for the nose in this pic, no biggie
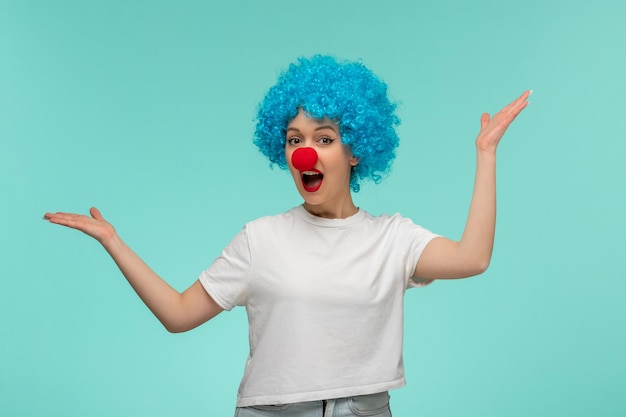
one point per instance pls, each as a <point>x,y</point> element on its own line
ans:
<point>304,159</point>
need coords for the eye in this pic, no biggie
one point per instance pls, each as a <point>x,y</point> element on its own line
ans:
<point>294,140</point>
<point>325,140</point>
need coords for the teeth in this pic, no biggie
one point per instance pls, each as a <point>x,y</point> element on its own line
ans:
<point>309,173</point>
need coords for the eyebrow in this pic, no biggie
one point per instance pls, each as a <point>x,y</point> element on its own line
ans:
<point>321,127</point>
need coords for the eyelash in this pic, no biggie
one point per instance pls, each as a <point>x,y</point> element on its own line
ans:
<point>324,140</point>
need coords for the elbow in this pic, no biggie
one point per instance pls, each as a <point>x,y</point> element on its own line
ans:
<point>475,266</point>
<point>173,327</point>
<point>480,266</point>
<point>479,261</point>
<point>182,325</point>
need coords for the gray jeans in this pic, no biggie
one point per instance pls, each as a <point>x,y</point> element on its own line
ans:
<point>373,405</point>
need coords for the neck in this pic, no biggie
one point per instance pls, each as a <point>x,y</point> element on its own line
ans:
<point>340,212</point>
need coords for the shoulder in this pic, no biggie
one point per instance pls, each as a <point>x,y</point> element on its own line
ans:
<point>273,222</point>
<point>275,218</point>
<point>390,220</point>
<point>397,228</point>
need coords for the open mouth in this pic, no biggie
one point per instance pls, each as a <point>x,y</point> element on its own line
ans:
<point>311,180</point>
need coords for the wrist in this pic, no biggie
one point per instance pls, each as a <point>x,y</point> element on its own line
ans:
<point>111,241</point>
<point>486,153</point>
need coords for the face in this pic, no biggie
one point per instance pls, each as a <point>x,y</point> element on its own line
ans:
<point>325,186</point>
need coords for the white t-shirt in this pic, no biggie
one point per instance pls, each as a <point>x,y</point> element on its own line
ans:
<point>324,299</point>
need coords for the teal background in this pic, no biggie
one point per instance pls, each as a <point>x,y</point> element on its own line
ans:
<point>145,109</point>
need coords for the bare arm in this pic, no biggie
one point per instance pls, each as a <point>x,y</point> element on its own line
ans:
<point>444,258</point>
<point>178,312</point>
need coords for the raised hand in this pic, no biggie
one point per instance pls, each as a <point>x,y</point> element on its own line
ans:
<point>492,128</point>
<point>444,258</point>
<point>95,226</point>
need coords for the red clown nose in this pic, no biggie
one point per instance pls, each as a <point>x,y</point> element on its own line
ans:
<point>304,159</point>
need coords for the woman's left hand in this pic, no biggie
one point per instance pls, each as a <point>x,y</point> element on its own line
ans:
<point>492,128</point>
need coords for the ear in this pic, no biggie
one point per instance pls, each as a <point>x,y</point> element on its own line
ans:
<point>354,161</point>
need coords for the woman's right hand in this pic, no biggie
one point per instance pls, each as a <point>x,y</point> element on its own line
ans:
<point>178,312</point>
<point>95,226</point>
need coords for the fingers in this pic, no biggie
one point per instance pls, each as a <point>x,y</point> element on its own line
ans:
<point>94,225</point>
<point>66,219</point>
<point>493,128</point>
<point>61,216</point>
<point>95,213</point>
<point>517,105</point>
<point>521,99</point>
<point>73,220</point>
<point>484,120</point>
<point>508,113</point>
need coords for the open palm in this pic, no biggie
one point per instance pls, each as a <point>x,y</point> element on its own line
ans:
<point>492,128</point>
<point>95,226</point>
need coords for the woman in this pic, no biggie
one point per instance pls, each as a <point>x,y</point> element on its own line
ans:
<point>322,283</point>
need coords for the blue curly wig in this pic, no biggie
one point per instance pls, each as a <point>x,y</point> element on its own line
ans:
<point>347,93</point>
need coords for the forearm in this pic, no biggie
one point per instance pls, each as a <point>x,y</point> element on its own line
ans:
<point>476,244</point>
<point>163,300</point>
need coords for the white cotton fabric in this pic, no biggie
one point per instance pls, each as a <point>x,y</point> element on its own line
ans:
<point>324,299</point>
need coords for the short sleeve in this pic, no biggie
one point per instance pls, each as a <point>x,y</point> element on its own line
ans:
<point>226,280</point>
<point>418,239</point>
